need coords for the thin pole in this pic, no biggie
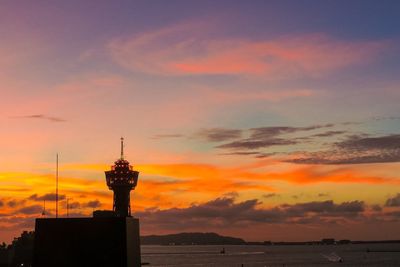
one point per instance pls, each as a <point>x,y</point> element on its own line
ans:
<point>44,207</point>
<point>57,186</point>
<point>122,148</point>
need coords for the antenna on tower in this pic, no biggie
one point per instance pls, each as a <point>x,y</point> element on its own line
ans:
<point>67,207</point>
<point>122,148</point>
<point>44,208</point>
<point>57,186</point>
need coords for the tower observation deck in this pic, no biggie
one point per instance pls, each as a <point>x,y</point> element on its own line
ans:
<point>121,179</point>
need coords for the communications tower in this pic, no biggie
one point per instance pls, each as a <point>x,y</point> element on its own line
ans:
<point>121,179</point>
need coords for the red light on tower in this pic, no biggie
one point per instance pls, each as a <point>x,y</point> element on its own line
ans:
<point>121,179</point>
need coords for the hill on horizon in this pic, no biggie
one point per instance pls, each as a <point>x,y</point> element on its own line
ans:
<point>191,239</point>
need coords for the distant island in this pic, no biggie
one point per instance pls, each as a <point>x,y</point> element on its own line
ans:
<point>216,239</point>
<point>191,239</point>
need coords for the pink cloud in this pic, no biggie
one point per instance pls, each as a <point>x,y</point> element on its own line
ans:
<point>179,51</point>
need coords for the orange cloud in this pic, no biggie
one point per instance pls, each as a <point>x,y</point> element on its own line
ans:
<point>167,185</point>
<point>161,185</point>
<point>299,175</point>
<point>315,174</point>
<point>177,50</point>
<point>253,176</point>
<point>175,185</point>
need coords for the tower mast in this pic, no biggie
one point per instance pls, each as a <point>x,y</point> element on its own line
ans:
<point>122,148</point>
<point>57,186</point>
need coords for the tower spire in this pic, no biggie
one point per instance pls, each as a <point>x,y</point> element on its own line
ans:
<point>122,148</point>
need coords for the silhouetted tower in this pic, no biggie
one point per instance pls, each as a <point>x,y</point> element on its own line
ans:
<point>122,179</point>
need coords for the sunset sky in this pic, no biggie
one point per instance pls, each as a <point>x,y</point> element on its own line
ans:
<point>266,120</point>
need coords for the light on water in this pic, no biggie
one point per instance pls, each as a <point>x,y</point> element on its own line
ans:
<point>271,256</point>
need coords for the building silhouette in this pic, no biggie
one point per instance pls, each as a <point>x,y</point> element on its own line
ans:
<point>109,238</point>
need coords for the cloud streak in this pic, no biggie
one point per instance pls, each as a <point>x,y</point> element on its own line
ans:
<point>263,137</point>
<point>166,136</point>
<point>47,197</point>
<point>41,117</point>
<point>29,210</point>
<point>352,149</point>
<point>219,134</point>
<point>178,50</point>
<point>356,150</point>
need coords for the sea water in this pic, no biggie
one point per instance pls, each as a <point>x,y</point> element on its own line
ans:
<point>271,256</point>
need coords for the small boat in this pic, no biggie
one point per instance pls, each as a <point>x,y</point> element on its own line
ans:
<point>333,257</point>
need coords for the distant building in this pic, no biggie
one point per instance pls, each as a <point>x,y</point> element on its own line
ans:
<point>19,252</point>
<point>328,241</point>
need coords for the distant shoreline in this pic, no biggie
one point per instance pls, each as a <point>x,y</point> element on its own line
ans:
<point>182,239</point>
<point>314,243</point>
<point>308,243</point>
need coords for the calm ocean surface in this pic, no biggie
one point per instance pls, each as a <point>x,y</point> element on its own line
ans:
<point>260,256</point>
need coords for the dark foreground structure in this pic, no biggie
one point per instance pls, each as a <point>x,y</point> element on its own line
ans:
<point>87,242</point>
<point>110,239</point>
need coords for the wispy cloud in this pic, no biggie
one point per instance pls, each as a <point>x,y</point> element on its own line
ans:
<point>270,195</point>
<point>356,149</point>
<point>257,144</point>
<point>329,133</point>
<point>93,204</point>
<point>33,209</point>
<point>218,134</point>
<point>166,136</point>
<point>180,50</point>
<point>347,147</point>
<point>243,153</point>
<point>270,136</point>
<point>40,117</point>
<point>47,197</point>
